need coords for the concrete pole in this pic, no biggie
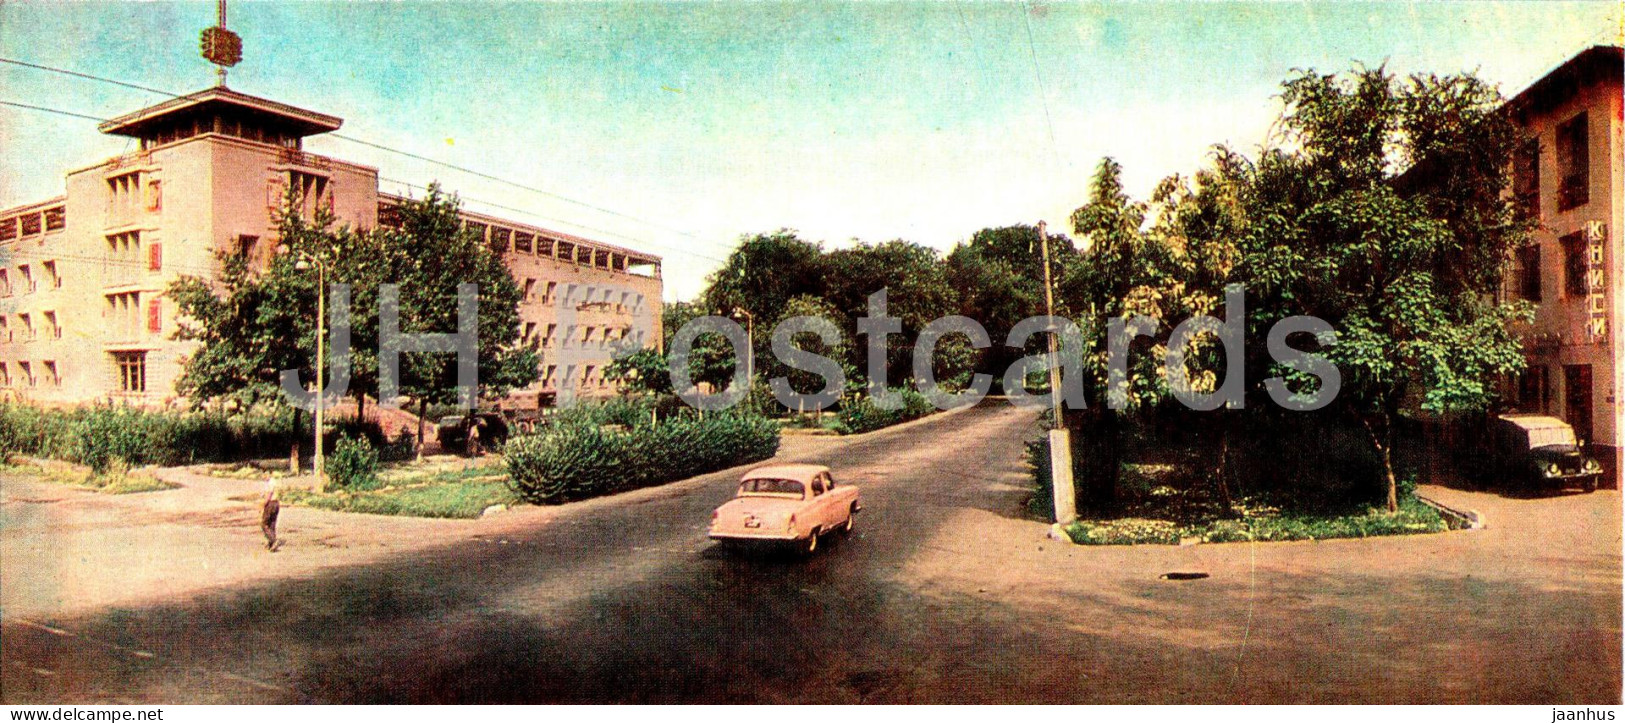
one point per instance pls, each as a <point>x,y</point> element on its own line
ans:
<point>1060,440</point>
<point>321,349</point>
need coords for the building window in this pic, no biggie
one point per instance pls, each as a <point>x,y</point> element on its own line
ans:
<point>552,286</point>
<point>155,257</point>
<point>547,339</point>
<point>477,229</point>
<point>544,246</point>
<point>155,316</point>
<point>1526,178</point>
<point>123,190</point>
<point>5,283</point>
<point>31,224</point>
<point>1574,265</point>
<point>51,377</point>
<point>530,290</point>
<point>124,249</point>
<point>26,370</point>
<point>56,218</point>
<point>8,229</point>
<point>522,242</point>
<point>53,280</point>
<point>1534,390</point>
<point>1573,164</point>
<point>389,215</point>
<point>132,370</point>
<point>245,245</point>
<point>28,326</point>
<point>155,196</point>
<point>499,239</point>
<point>5,329</point>
<point>1529,272</point>
<point>27,275</point>
<point>5,375</point>
<point>52,331</point>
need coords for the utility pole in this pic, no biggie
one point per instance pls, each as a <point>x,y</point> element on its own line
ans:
<point>1060,440</point>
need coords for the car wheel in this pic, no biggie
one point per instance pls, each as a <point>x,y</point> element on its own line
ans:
<point>1590,485</point>
<point>851,520</point>
<point>812,542</point>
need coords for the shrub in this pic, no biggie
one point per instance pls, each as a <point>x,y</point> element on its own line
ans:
<point>354,464</point>
<point>571,461</point>
<point>97,436</point>
<point>863,415</point>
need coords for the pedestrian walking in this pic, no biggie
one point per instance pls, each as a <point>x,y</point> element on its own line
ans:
<point>268,514</point>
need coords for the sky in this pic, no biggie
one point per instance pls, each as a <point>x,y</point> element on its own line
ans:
<point>676,127</point>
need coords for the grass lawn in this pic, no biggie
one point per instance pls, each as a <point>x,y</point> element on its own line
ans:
<point>113,482</point>
<point>433,489</point>
<point>1260,524</point>
<point>1153,512</point>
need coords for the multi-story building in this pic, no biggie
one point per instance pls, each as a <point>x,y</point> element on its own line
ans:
<point>83,276</point>
<point>1570,178</point>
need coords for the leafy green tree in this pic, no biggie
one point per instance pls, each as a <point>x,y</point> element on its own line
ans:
<point>999,277</point>
<point>1122,272</point>
<point>253,323</point>
<point>1382,209</point>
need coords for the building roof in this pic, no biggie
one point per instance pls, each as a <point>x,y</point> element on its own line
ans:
<point>297,121</point>
<point>1595,64</point>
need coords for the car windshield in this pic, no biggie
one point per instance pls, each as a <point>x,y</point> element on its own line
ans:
<point>1551,436</point>
<point>769,486</point>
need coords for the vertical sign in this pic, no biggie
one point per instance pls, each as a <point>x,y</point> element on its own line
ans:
<point>1596,282</point>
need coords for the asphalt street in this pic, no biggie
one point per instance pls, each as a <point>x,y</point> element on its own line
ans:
<point>946,593</point>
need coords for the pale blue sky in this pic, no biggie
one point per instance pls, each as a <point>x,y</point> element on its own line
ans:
<point>925,121</point>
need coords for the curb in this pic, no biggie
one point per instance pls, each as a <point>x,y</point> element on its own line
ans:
<point>1469,519</point>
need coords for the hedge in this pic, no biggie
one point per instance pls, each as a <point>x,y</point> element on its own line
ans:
<point>96,436</point>
<point>575,461</point>
<point>862,415</point>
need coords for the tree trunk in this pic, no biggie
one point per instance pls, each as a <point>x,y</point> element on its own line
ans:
<point>1383,443</point>
<point>1221,471</point>
<point>293,454</point>
<point>423,410</point>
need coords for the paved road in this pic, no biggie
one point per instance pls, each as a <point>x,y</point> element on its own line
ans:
<point>945,594</point>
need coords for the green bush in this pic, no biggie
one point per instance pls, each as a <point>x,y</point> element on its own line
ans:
<point>571,461</point>
<point>354,464</point>
<point>98,436</point>
<point>861,415</point>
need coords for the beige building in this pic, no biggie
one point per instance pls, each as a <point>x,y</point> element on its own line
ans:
<point>82,276</point>
<point>1571,177</point>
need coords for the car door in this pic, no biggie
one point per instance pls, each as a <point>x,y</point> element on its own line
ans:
<point>818,502</point>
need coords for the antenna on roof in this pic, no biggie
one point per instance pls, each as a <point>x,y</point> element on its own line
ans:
<point>221,46</point>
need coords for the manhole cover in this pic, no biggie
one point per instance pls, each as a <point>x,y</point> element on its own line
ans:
<point>1183,575</point>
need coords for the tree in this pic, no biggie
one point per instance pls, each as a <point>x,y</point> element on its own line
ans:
<point>999,277</point>
<point>255,323</point>
<point>1382,210</point>
<point>1122,272</point>
<point>429,255</point>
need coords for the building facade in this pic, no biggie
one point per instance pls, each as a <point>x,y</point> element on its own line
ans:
<point>1570,177</point>
<point>83,316</point>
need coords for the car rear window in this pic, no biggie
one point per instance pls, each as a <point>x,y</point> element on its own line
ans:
<point>765,485</point>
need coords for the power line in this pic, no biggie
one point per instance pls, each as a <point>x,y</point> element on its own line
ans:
<point>548,219</point>
<point>408,154</point>
<point>50,110</point>
<point>87,76</point>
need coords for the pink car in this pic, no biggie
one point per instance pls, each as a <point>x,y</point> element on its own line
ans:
<point>790,503</point>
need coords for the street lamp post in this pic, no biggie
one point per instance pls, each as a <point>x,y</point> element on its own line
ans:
<point>318,465</point>
<point>1060,439</point>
